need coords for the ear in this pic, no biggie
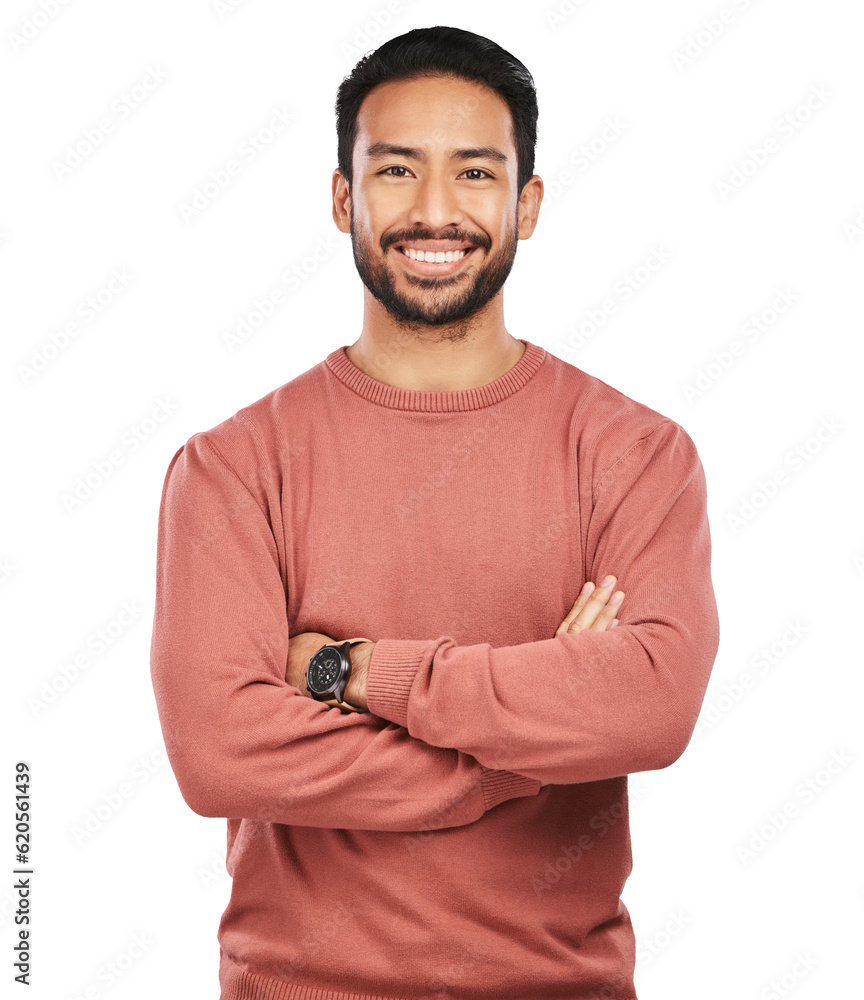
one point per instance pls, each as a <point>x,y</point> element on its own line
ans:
<point>341,202</point>
<point>529,206</point>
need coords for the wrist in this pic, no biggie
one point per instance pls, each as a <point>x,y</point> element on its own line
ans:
<point>355,689</point>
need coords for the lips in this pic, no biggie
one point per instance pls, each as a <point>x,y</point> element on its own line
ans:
<point>458,255</point>
<point>437,251</point>
<point>435,245</point>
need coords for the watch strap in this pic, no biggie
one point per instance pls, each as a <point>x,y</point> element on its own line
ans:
<point>351,642</point>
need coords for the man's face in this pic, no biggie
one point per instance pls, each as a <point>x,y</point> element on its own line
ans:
<point>434,172</point>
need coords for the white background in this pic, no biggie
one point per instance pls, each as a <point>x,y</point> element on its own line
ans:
<point>710,920</point>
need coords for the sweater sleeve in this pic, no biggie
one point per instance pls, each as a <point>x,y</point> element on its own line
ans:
<point>594,705</point>
<point>243,742</point>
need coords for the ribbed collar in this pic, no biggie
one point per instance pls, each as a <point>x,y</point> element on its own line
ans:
<point>436,401</point>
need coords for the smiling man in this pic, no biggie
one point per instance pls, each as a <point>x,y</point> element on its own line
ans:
<point>453,254</point>
<point>388,645</point>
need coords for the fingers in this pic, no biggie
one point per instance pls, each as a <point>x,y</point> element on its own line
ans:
<point>343,707</point>
<point>606,614</point>
<point>595,609</point>
<point>581,601</point>
<point>332,703</point>
<point>579,604</point>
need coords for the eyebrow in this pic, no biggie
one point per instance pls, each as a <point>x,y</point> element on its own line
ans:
<point>382,149</point>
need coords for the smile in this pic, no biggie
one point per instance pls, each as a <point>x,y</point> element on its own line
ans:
<point>434,256</point>
<point>432,262</point>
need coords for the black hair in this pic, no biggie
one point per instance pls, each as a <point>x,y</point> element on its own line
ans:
<point>441,51</point>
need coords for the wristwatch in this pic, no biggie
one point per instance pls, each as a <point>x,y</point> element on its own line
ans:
<point>328,672</point>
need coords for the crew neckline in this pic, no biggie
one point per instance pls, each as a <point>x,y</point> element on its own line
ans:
<point>437,401</point>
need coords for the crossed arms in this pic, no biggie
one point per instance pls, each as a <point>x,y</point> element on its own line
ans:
<point>594,610</point>
<point>439,747</point>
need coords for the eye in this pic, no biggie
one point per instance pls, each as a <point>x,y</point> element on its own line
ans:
<point>476,170</point>
<point>387,170</point>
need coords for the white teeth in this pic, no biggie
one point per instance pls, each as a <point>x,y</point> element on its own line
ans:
<point>436,256</point>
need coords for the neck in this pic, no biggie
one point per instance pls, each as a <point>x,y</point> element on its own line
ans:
<point>442,358</point>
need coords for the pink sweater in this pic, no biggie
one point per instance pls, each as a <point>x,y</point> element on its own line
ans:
<point>410,853</point>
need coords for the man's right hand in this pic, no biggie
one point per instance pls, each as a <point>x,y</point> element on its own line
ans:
<point>594,610</point>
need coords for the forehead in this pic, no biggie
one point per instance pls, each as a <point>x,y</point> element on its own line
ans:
<point>434,112</point>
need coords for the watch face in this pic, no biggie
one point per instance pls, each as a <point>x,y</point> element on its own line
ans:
<point>324,669</point>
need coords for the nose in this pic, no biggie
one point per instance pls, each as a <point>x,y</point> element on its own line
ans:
<point>436,205</point>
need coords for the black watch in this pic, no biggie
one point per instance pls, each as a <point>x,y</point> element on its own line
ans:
<point>329,670</point>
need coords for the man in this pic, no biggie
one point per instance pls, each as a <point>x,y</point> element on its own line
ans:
<point>453,822</point>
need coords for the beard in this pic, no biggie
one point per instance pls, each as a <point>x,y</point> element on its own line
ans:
<point>450,299</point>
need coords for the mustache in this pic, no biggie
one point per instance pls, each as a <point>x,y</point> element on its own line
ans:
<point>459,235</point>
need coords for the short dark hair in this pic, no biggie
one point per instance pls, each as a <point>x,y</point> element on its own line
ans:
<point>441,51</point>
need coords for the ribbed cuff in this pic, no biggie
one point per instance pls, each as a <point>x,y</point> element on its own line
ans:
<point>392,670</point>
<point>238,983</point>
<point>498,786</point>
